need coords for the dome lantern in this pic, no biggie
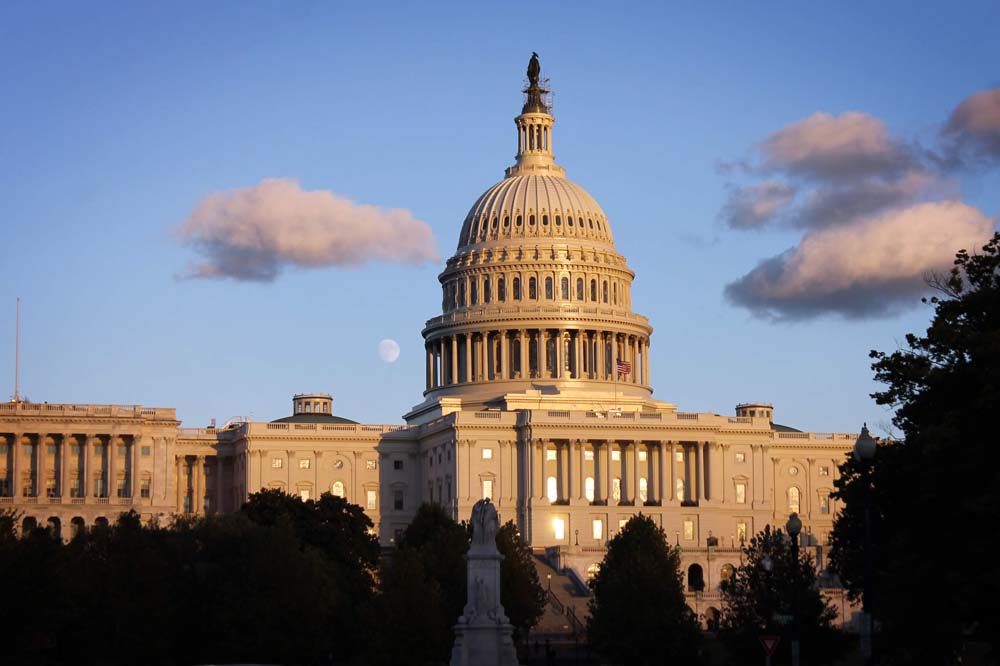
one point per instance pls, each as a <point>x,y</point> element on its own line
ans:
<point>534,129</point>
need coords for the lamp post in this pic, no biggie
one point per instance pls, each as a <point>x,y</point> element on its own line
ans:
<point>709,542</point>
<point>864,453</point>
<point>793,527</point>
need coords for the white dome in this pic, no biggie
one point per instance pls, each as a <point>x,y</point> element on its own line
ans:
<point>535,206</point>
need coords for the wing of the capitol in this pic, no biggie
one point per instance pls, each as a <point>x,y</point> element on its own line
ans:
<point>538,394</point>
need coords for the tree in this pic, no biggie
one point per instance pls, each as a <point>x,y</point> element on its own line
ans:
<point>521,593</point>
<point>758,601</point>
<point>937,491</point>
<point>638,614</point>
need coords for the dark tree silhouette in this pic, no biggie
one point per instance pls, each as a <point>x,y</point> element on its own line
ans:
<point>521,593</point>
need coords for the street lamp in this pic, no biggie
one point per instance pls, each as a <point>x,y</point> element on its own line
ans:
<point>864,453</point>
<point>549,576</point>
<point>793,527</point>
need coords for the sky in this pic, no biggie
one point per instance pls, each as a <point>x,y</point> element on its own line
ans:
<point>213,206</point>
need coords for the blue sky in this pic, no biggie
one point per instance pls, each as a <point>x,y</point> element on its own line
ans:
<point>117,120</point>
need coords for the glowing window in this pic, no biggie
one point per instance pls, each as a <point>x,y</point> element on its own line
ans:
<point>304,494</point>
<point>371,465</point>
<point>552,489</point>
<point>793,500</point>
<point>371,499</point>
<point>741,457</point>
<point>337,489</point>
<point>616,455</point>
<point>679,456</point>
<point>550,454</point>
<point>741,532</point>
<point>824,504</point>
<point>688,529</point>
<point>588,488</point>
<point>588,455</point>
<point>679,490</point>
<point>277,463</point>
<point>487,488</point>
<point>487,454</point>
<point>824,471</point>
<point>305,463</point>
<point>558,529</point>
<point>643,489</point>
<point>741,493</point>
<point>616,489</point>
<point>598,528</point>
<point>642,456</point>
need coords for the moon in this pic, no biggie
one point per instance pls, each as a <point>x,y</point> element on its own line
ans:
<point>388,350</point>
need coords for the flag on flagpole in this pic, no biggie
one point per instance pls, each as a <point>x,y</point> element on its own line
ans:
<point>624,367</point>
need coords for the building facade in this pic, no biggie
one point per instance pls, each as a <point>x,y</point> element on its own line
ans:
<point>538,394</point>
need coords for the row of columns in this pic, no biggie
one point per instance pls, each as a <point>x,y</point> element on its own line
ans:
<point>192,478</point>
<point>509,288</point>
<point>534,137</point>
<point>525,353</point>
<point>63,464</point>
<point>660,469</point>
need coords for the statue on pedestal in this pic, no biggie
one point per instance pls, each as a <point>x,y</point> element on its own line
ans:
<point>483,635</point>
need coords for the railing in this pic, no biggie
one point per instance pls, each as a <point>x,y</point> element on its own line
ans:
<point>653,416</point>
<point>61,409</point>
<point>574,622</point>
<point>681,416</point>
<point>556,604</point>
<point>487,415</point>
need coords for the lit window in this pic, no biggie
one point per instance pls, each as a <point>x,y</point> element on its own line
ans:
<point>143,488</point>
<point>588,455</point>
<point>558,529</point>
<point>550,454</point>
<point>397,500</point>
<point>642,489</point>
<point>679,456</point>
<point>337,489</point>
<point>487,488</point>
<point>305,463</point>
<point>616,455</point>
<point>145,451</point>
<point>824,471</point>
<point>304,494</point>
<point>642,456</point>
<point>487,454</point>
<point>598,526</point>
<point>277,463</point>
<point>371,499</point>
<point>616,489</point>
<point>793,500</point>
<point>824,504</point>
<point>741,493</point>
<point>371,465</point>
<point>622,522</point>
<point>552,489</point>
<point>741,532</point>
<point>741,457</point>
<point>397,464</point>
<point>589,488</point>
<point>688,529</point>
<point>679,490</point>
<point>564,283</point>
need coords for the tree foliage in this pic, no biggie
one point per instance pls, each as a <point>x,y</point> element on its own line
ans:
<point>936,492</point>
<point>638,614</point>
<point>521,593</point>
<point>759,602</point>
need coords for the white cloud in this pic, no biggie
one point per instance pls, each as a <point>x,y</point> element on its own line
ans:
<point>252,233</point>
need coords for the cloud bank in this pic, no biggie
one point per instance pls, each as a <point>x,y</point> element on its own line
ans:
<point>253,233</point>
<point>878,213</point>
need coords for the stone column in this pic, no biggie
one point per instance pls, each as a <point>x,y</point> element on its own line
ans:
<point>504,355</point>
<point>40,466</point>
<point>673,472</point>
<point>582,477</point>
<point>707,470</point>
<point>571,480</point>
<point>623,473</point>
<point>560,351</point>
<point>133,482</point>
<point>635,472</point>
<point>468,358</point>
<point>545,469</point>
<point>87,483</point>
<point>484,373</point>
<point>443,371</point>
<point>220,494</point>
<point>180,484</point>
<point>699,472</point>
<point>601,354</point>
<point>454,359</point>
<point>198,499</point>
<point>16,476</point>
<point>661,454</point>
<point>645,372</point>
<point>608,445</point>
<point>64,467</point>
<point>543,353</point>
<point>524,337</point>
<point>429,371</point>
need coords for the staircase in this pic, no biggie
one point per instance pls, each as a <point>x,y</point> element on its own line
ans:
<point>565,609</point>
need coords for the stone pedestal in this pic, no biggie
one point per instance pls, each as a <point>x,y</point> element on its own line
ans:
<point>483,635</point>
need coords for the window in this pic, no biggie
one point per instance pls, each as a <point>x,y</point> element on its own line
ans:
<point>487,454</point>
<point>616,489</point>
<point>679,490</point>
<point>593,290</point>
<point>474,292</point>
<point>74,449</point>
<point>145,451</point>
<point>50,449</point>
<point>558,529</point>
<point>824,504</point>
<point>604,292</point>
<point>487,488</point>
<point>371,465</point>
<point>74,488</point>
<point>614,293</point>
<point>552,489</point>
<point>741,457</point>
<point>50,487</point>
<point>616,455</point>
<point>337,489</point>
<point>122,450</point>
<point>121,489</point>
<point>741,532</point>
<point>501,289</point>
<point>305,463</point>
<point>598,528</point>
<point>397,464</point>
<point>532,289</point>
<point>517,288</point>
<point>397,500</point>
<point>550,454</point>
<point>143,488</point>
<point>277,463</point>
<point>588,455</point>
<point>548,288</point>
<point>304,494</point>
<point>793,500</point>
<point>688,529</point>
<point>824,470</point>
<point>564,290</point>
<point>622,522</point>
<point>588,488</point>
<point>487,291</point>
<point>3,448</point>
<point>741,493</point>
<point>371,499</point>
<point>579,289</point>
<point>643,489</point>
<point>679,456</point>
<point>642,456</point>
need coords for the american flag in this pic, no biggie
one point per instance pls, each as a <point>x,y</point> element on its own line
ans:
<point>624,367</point>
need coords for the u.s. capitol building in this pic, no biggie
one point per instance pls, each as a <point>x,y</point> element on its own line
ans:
<point>538,395</point>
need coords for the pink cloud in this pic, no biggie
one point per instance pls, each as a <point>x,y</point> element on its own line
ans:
<point>974,125</point>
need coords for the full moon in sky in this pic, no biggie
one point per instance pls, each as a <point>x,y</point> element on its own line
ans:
<point>388,350</point>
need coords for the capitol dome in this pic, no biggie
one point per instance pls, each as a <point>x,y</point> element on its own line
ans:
<point>536,299</point>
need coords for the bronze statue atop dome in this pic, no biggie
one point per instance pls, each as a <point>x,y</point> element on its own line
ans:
<point>535,102</point>
<point>533,69</point>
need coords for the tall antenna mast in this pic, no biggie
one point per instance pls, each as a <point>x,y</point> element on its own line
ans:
<point>17,350</point>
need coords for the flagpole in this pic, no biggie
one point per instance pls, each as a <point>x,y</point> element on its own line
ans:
<point>17,350</point>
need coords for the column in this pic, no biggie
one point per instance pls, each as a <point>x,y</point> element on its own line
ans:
<point>468,358</point>
<point>111,451</point>
<point>200,484</point>
<point>673,472</point>
<point>560,354</point>
<point>635,473</point>
<point>64,467</point>
<point>543,353</point>
<point>581,479</point>
<point>608,446</point>
<point>133,481</point>
<point>16,477</point>
<point>645,361</point>
<point>180,484</point>
<point>87,482</point>
<point>724,483</point>
<point>441,367</point>
<point>454,359</point>
<point>699,474</point>
<point>707,470</point>
<point>504,355</point>
<point>428,372</point>
<point>40,466</point>
<point>661,454</point>
<point>571,481</point>
<point>484,375</point>
<point>544,469</point>
<point>524,338</point>
<point>623,472</point>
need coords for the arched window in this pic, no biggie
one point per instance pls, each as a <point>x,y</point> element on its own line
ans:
<point>519,220</point>
<point>531,220</point>
<point>558,221</point>
<point>474,291</point>
<point>588,488</point>
<point>461,293</point>
<point>793,500</point>
<point>569,220</point>
<point>506,221</point>
<point>565,288</point>
<point>604,292</point>
<point>643,490</point>
<point>552,489</point>
<point>532,289</point>
<point>696,578</point>
<point>614,293</point>
<point>616,490</point>
<point>337,489</point>
<point>591,222</point>
<point>488,292</point>
<point>679,490</point>
<point>501,289</point>
<point>579,289</point>
<point>593,290</point>
<point>516,283</point>
<point>545,220</point>
<point>548,288</point>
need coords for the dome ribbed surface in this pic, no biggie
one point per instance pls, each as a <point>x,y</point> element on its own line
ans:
<point>535,206</point>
